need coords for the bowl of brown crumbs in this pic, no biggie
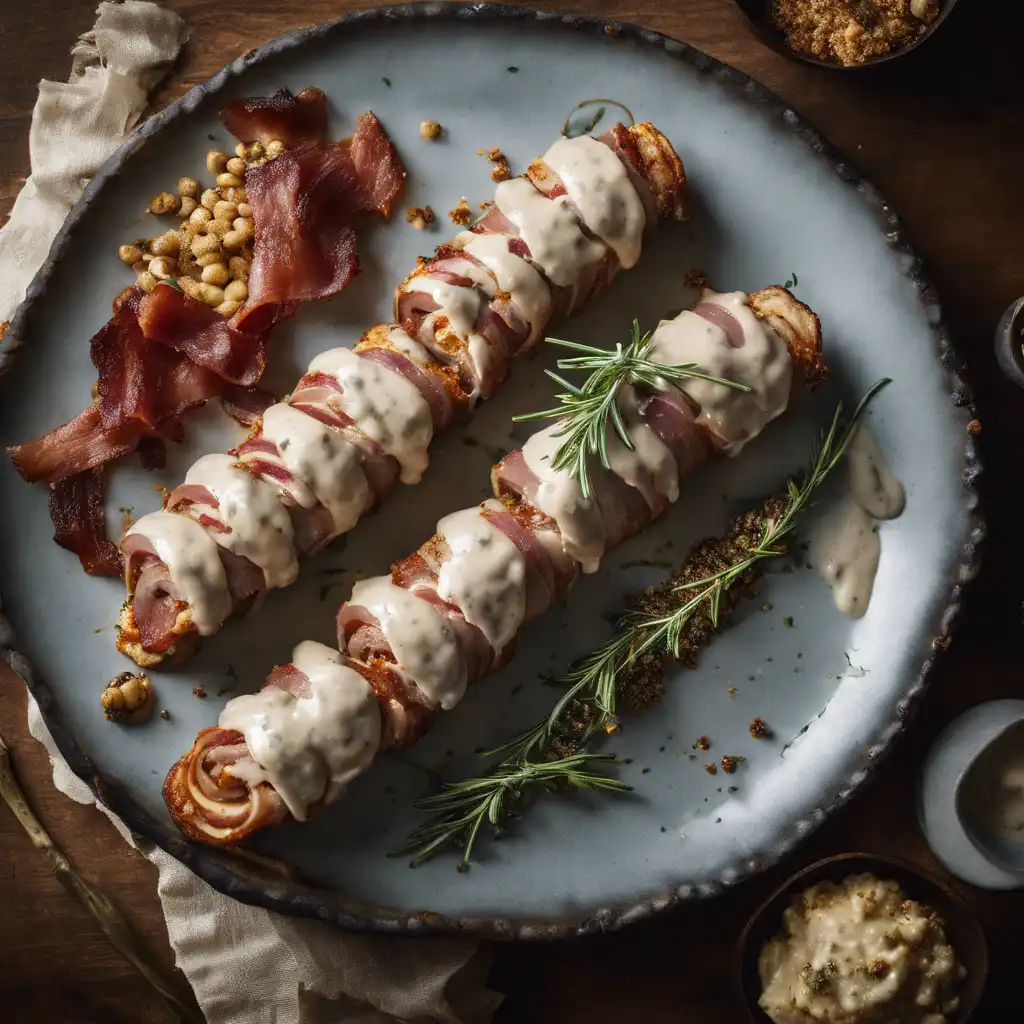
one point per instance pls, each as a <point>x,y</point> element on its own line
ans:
<point>845,34</point>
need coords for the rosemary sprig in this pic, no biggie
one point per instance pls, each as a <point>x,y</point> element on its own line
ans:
<point>588,705</point>
<point>462,808</point>
<point>585,412</point>
<point>593,680</point>
<point>115,926</point>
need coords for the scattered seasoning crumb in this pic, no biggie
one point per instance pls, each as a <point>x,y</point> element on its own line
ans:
<point>430,130</point>
<point>732,690</point>
<point>730,763</point>
<point>734,789</point>
<point>767,606</point>
<point>974,428</point>
<point>718,821</point>
<point>501,170</point>
<point>461,215</point>
<point>711,768</point>
<point>663,829</point>
<point>788,622</point>
<point>696,279</point>
<point>759,729</point>
<point>644,771</point>
<point>419,216</point>
<point>703,743</point>
<point>165,714</point>
<point>486,204</point>
<point>848,33</point>
<point>200,692</point>
<point>661,750</point>
<point>693,757</point>
<point>387,82</point>
<point>750,679</point>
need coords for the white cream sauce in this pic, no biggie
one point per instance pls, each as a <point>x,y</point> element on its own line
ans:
<point>327,465</point>
<point>845,550</point>
<point>649,467</point>
<point>992,793</point>
<point>871,483</point>
<point>560,497</point>
<point>384,405</point>
<point>599,186</point>
<point>261,529</point>
<point>409,347</point>
<point>310,748</point>
<point>461,305</point>
<point>421,638</point>
<point>528,290</point>
<point>762,363</point>
<point>193,561</point>
<point>845,547</point>
<point>550,229</point>
<point>484,575</point>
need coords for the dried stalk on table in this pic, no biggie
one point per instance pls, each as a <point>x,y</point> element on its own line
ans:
<point>120,933</point>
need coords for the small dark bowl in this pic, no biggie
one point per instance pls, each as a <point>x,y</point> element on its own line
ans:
<point>758,15</point>
<point>1010,343</point>
<point>962,926</point>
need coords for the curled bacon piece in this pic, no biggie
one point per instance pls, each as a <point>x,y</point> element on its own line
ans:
<point>370,643</point>
<point>213,806</point>
<point>283,117</point>
<point>305,205</point>
<point>245,405</point>
<point>197,331</point>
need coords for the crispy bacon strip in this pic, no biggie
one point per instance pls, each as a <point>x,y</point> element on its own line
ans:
<point>197,331</point>
<point>246,405</point>
<point>80,522</point>
<point>305,205</point>
<point>232,809</point>
<point>283,117</point>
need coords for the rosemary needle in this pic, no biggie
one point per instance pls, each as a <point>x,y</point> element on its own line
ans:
<point>586,412</point>
<point>587,707</point>
<point>118,931</point>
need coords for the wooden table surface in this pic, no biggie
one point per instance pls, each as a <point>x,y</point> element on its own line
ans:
<point>942,135</point>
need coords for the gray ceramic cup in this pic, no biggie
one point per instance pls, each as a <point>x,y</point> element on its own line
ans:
<point>1010,343</point>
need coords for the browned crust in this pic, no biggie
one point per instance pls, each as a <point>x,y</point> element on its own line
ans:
<point>655,158</point>
<point>798,326</point>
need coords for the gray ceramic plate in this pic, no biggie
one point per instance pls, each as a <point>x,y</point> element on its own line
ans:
<point>771,201</point>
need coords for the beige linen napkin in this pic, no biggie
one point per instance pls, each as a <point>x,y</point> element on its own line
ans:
<point>246,965</point>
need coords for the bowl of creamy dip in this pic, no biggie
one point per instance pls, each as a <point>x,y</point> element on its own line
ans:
<point>862,939</point>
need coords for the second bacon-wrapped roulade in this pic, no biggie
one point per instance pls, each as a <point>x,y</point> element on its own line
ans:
<point>411,643</point>
<point>364,417</point>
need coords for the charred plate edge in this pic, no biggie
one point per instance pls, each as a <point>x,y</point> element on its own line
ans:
<point>239,878</point>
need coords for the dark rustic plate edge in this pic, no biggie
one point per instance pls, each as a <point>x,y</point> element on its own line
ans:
<point>226,872</point>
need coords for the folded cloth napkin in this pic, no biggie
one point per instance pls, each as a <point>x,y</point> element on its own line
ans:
<point>246,965</point>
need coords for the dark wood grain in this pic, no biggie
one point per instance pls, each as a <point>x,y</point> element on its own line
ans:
<point>942,134</point>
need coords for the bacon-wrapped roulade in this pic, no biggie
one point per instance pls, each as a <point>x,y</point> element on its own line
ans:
<point>410,643</point>
<point>363,417</point>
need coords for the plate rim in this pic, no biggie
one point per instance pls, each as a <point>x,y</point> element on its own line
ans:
<point>255,883</point>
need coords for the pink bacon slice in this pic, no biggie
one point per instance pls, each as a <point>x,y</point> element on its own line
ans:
<point>405,713</point>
